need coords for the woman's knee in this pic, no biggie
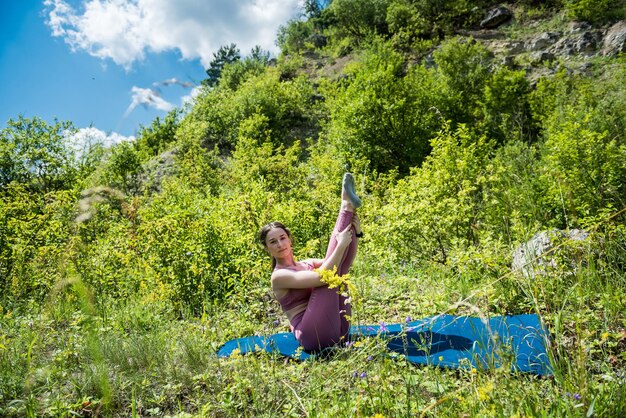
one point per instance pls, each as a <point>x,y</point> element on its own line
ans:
<point>314,340</point>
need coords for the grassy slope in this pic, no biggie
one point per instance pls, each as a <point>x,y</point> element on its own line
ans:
<point>137,358</point>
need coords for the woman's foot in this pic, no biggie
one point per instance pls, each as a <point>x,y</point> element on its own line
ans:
<point>348,191</point>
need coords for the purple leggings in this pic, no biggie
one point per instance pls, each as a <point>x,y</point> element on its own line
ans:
<point>324,322</point>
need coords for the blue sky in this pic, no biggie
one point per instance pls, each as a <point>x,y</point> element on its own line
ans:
<point>114,65</point>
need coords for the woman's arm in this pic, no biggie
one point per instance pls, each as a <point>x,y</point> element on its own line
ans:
<point>287,279</point>
<point>316,262</point>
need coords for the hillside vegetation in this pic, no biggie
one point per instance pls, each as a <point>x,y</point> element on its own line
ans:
<point>123,269</point>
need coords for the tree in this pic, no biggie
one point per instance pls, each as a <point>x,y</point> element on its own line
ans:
<point>360,18</point>
<point>227,54</point>
<point>312,8</point>
<point>235,73</point>
<point>35,154</point>
<point>155,138</point>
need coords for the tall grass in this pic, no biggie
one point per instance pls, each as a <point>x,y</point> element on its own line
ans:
<point>121,358</point>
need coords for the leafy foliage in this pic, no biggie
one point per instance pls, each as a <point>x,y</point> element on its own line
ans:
<point>292,37</point>
<point>226,54</point>
<point>114,296</point>
<point>439,206</point>
<point>159,136</point>
<point>235,73</point>
<point>360,19</point>
<point>34,154</point>
<point>383,115</point>
<point>595,11</point>
<point>215,119</point>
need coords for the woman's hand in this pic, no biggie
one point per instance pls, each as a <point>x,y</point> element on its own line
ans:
<point>344,238</point>
<point>356,223</point>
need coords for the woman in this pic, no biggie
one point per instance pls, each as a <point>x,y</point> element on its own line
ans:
<point>317,314</point>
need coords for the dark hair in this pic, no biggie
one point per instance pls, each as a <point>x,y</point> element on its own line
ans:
<point>266,229</point>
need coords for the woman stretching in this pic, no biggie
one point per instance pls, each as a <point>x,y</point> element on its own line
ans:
<point>317,314</point>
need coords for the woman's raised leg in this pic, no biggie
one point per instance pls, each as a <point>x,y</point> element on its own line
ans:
<point>324,322</point>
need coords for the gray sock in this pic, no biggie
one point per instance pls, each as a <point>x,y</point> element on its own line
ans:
<point>348,186</point>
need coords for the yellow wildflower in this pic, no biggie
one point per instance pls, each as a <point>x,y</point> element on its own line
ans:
<point>333,280</point>
<point>484,391</point>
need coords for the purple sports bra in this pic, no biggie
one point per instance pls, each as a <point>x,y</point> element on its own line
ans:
<point>295,297</point>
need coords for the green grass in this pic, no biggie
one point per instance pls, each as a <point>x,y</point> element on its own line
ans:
<point>138,358</point>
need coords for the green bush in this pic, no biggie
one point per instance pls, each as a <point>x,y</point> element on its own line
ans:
<point>440,206</point>
<point>360,18</point>
<point>463,67</point>
<point>123,168</point>
<point>292,37</point>
<point>35,154</point>
<point>34,232</point>
<point>432,18</point>
<point>382,114</point>
<point>584,172</point>
<point>595,11</point>
<point>217,114</point>
<point>517,208</point>
<point>506,114</point>
<point>583,129</point>
<point>235,73</point>
<point>156,138</point>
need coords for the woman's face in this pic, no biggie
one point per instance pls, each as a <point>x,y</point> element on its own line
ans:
<point>278,243</point>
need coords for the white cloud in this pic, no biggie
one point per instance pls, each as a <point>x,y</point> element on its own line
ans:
<point>147,98</point>
<point>195,92</point>
<point>124,30</point>
<point>85,138</point>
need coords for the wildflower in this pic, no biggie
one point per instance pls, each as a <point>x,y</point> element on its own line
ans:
<point>188,253</point>
<point>484,391</point>
<point>276,322</point>
<point>383,327</point>
<point>576,396</point>
<point>408,319</point>
<point>355,374</point>
<point>363,375</point>
<point>370,358</point>
<point>349,344</point>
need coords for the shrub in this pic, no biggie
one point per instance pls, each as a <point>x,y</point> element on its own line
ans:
<point>583,171</point>
<point>506,114</point>
<point>432,18</point>
<point>292,37</point>
<point>439,207</point>
<point>34,232</point>
<point>463,68</point>
<point>214,120</point>
<point>123,168</point>
<point>235,73</point>
<point>383,115</point>
<point>158,136</point>
<point>595,11</point>
<point>36,155</point>
<point>360,18</point>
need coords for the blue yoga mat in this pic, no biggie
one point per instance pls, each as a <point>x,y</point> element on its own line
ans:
<point>443,340</point>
